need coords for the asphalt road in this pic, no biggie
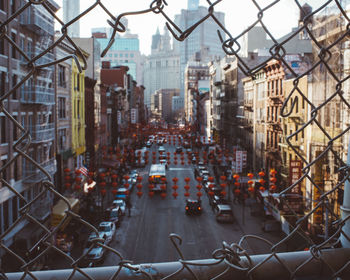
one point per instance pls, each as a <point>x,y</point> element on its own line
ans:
<point>144,237</point>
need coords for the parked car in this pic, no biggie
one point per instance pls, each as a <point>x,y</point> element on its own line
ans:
<point>148,144</point>
<point>178,150</point>
<point>120,205</point>
<point>113,215</point>
<point>122,193</point>
<point>194,160</point>
<point>164,162</point>
<point>106,230</point>
<point>217,199</point>
<point>95,254</point>
<point>223,213</point>
<point>161,149</point>
<point>193,206</point>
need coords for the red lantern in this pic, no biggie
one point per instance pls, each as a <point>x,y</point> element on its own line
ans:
<point>126,177</point>
<point>175,194</point>
<point>237,192</point>
<point>262,189</point>
<point>139,178</point>
<point>139,186</point>
<point>237,184</point>
<point>223,178</point>
<point>262,181</point>
<point>187,187</point>
<point>114,191</point>
<point>163,179</point>
<point>103,192</point>
<point>211,186</point>
<point>102,175</point>
<point>67,185</point>
<point>250,189</point>
<point>102,184</point>
<point>78,179</point>
<point>114,176</point>
<point>199,194</point>
<point>235,176</point>
<point>273,187</point>
<point>150,179</point>
<point>175,162</point>
<point>273,179</point>
<point>151,193</point>
<point>151,186</point>
<point>223,193</point>
<point>77,172</point>
<point>250,182</point>
<point>91,174</point>
<point>66,170</point>
<point>163,187</point>
<point>114,184</point>
<point>175,179</point>
<point>186,194</point>
<point>211,179</point>
<point>163,195</point>
<point>67,178</point>
<point>187,179</point>
<point>139,194</point>
<point>199,187</point>
<point>175,187</point>
<point>211,193</point>
<point>261,173</point>
<point>273,172</point>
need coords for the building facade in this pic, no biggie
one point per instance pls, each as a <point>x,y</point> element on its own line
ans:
<point>162,66</point>
<point>71,9</point>
<point>32,106</point>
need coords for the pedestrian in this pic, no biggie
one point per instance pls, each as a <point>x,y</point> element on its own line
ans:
<point>128,206</point>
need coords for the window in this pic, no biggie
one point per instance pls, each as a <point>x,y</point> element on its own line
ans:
<point>5,207</point>
<point>4,171</point>
<point>14,208</point>
<point>78,109</point>
<point>131,55</point>
<point>13,49</point>
<point>14,83</point>
<point>2,5</point>
<point>12,6</point>
<point>78,82</point>
<point>126,55</point>
<point>61,108</point>
<point>120,55</point>
<point>3,82</point>
<point>62,76</point>
<point>2,46</point>
<point>3,130</point>
<point>62,139</point>
<point>15,129</point>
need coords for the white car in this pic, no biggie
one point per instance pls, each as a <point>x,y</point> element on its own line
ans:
<point>119,203</point>
<point>161,149</point>
<point>106,230</point>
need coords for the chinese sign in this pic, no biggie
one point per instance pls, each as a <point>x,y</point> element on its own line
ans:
<point>295,174</point>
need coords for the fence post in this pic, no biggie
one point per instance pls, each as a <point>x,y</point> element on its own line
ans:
<point>345,209</point>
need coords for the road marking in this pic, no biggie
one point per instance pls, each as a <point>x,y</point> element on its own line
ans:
<point>174,168</point>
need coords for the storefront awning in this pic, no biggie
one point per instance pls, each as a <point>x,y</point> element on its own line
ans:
<point>59,210</point>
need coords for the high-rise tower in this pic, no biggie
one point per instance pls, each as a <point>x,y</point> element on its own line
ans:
<point>71,9</point>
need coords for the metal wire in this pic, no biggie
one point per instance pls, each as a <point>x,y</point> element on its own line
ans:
<point>230,256</point>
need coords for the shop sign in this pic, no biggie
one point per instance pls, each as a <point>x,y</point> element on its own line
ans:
<point>295,174</point>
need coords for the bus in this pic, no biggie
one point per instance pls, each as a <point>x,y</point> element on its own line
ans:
<point>156,177</point>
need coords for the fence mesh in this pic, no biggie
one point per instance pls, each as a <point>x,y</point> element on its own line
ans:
<point>327,66</point>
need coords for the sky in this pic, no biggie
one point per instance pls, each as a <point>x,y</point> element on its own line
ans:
<point>239,14</point>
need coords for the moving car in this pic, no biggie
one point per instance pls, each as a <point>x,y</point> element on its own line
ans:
<point>193,206</point>
<point>122,193</point>
<point>178,150</point>
<point>164,162</point>
<point>224,213</point>
<point>148,144</point>
<point>161,149</point>
<point>113,215</point>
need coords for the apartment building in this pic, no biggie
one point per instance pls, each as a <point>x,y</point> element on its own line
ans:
<point>32,106</point>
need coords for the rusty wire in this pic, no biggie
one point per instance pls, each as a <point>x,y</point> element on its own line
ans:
<point>230,254</point>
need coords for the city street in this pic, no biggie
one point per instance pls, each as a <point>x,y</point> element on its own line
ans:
<point>143,237</point>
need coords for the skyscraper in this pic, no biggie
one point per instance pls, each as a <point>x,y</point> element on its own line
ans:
<point>71,9</point>
<point>203,37</point>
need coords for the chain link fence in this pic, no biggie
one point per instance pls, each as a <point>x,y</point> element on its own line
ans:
<point>325,260</point>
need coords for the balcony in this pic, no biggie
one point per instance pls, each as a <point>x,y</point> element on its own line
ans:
<point>32,174</point>
<point>42,133</point>
<point>37,21</point>
<point>248,104</point>
<point>47,58</point>
<point>38,95</point>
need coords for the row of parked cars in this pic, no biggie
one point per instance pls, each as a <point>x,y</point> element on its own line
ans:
<point>106,230</point>
<point>220,205</point>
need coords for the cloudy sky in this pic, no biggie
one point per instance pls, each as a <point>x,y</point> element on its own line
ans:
<point>238,15</point>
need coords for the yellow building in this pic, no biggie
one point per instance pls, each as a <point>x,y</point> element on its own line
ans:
<point>294,144</point>
<point>78,112</point>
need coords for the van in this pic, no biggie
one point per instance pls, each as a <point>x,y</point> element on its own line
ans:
<point>224,213</point>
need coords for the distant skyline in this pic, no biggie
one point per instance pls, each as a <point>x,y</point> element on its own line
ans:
<point>285,14</point>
